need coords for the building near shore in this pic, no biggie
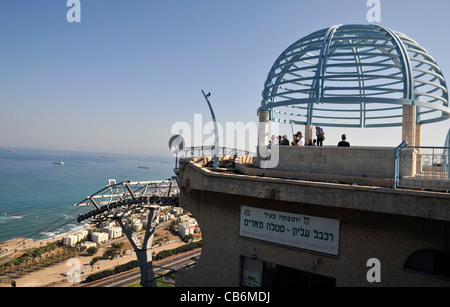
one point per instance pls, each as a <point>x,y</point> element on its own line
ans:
<point>73,239</point>
<point>328,216</point>
<point>113,232</point>
<point>177,211</point>
<point>82,235</point>
<point>187,227</point>
<point>70,240</point>
<point>99,237</point>
<point>88,244</point>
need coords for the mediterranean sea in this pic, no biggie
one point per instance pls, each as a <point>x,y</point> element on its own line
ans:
<point>38,193</point>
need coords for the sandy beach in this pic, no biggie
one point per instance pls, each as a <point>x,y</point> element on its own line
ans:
<point>18,245</point>
<point>54,276</point>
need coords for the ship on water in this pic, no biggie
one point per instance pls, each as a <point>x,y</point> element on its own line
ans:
<point>58,163</point>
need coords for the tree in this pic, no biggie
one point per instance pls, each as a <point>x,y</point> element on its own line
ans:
<point>93,261</point>
<point>92,250</point>
<point>111,253</point>
<point>118,245</point>
<point>187,238</point>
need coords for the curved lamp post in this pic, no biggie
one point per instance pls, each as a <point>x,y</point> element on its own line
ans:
<point>216,132</point>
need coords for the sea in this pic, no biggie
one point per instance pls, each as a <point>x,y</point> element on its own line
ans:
<point>38,193</point>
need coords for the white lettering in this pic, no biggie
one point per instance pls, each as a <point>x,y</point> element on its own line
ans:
<point>193,297</point>
<point>73,274</point>
<point>374,14</point>
<point>74,14</point>
<point>374,274</point>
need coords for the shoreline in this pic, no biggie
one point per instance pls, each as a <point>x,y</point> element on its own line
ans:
<point>56,275</point>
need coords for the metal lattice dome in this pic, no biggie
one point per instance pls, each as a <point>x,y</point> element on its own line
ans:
<point>355,76</point>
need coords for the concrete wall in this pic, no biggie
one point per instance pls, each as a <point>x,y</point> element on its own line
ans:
<point>370,162</point>
<point>378,223</point>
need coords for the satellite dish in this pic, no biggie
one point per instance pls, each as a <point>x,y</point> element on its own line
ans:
<point>176,143</point>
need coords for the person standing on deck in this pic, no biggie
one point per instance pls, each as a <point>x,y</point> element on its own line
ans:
<point>320,136</point>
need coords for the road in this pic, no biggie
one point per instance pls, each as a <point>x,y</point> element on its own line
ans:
<point>161,267</point>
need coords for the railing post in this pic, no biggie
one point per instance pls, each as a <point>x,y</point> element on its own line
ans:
<point>397,163</point>
<point>446,166</point>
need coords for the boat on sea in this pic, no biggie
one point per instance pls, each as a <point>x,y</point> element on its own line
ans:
<point>145,167</point>
<point>59,163</point>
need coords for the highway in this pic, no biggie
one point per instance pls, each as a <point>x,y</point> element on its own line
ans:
<point>161,267</point>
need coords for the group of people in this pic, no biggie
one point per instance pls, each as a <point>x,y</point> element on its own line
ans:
<point>299,140</point>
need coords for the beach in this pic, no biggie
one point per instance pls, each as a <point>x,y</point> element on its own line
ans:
<point>43,277</point>
<point>54,276</point>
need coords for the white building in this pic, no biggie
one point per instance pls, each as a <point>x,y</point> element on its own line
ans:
<point>114,232</point>
<point>185,229</point>
<point>137,225</point>
<point>82,235</point>
<point>70,240</point>
<point>73,239</point>
<point>107,224</point>
<point>177,211</point>
<point>89,244</point>
<point>99,237</point>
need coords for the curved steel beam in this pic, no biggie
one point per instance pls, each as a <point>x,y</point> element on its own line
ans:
<point>349,64</point>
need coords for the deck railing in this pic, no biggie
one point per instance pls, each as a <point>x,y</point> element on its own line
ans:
<point>425,168</point>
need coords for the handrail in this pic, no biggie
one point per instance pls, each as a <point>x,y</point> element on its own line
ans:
<point>396,161</point>
<point>423,167</point>
<point>447,151</point>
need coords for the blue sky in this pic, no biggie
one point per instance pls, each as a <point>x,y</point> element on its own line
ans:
<point>118,80</point>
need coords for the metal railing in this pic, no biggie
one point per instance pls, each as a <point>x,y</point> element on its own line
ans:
<point>204,151</point>
<point>209,151</point>
<point>420,167</point>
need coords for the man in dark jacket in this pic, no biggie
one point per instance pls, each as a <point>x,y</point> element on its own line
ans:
<point>344,142</point>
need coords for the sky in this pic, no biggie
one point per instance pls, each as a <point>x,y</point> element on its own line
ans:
<point>121,78</point>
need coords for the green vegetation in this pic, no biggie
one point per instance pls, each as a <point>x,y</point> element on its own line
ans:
<point>118,245</point>
<point>173,225</point>
<point>30,254</point>
<point>92,250</point>
<point>37,258</point>
<point>94,261</point>
<point>118,269</point>
<point>181,249</point>
<point>161,282</point>
<point>187,238</point>
<point>134,264</point>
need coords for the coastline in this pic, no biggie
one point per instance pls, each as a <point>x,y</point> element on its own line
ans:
<point>55,276</point>
<point>55,189</point>
<point>16,245</point>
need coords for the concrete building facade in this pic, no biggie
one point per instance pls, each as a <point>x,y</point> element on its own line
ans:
<point>375,236</point>
<point>114,232</point>
<point>328,216</point>
<point>99,237</point>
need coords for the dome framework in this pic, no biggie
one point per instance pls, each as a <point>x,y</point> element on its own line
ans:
<point>355,76</point>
